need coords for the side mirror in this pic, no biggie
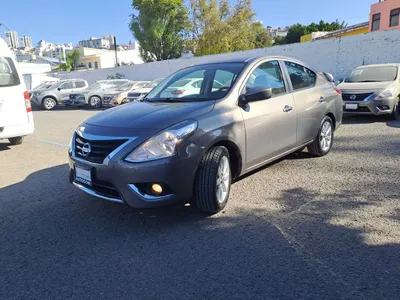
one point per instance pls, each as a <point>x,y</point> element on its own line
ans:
<point>58,89</point>
<point>256,94</point>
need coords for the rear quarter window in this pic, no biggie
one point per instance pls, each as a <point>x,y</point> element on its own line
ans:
<point>8,73</point>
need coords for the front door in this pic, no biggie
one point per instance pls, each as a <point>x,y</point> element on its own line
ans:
<point>66,89</point>
<point>271,124</point>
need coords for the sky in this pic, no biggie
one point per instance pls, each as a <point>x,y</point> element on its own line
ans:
<point>75,20</point>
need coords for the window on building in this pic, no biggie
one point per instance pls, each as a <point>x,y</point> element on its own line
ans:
<point>394,17</point>
<point>96,65</point>
<point>90,65</point>
<point>376,22</point>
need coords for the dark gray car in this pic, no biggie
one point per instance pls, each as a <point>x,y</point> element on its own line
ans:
<point>176,149</point>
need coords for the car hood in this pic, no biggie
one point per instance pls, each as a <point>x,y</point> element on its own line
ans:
<point>141,91</point>
<point>146,115</point>
<point>364,86</point>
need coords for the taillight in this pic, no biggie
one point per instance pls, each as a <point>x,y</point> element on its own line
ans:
<point>338,91</point>
<point>27,102</point>
<point>177,92</point>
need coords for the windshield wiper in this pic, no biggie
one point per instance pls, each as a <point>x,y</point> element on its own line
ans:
<point>370,81</point>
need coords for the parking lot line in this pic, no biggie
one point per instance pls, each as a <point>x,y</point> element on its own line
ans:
<point>53,143</point>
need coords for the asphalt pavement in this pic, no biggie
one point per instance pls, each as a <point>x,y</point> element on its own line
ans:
<point>301,228</point>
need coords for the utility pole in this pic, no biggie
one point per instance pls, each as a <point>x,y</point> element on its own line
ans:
<point>116,54</point>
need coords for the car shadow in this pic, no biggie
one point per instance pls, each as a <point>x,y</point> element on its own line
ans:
<point>4,146</point>
<point>80,247</point>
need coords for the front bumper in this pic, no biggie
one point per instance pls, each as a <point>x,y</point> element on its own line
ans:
<point>370,107</point>
<point>119,181</point>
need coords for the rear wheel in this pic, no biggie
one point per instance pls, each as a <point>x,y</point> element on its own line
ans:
<point>324,140</point>
<point>95,102</point>
<point>16,140</point>
<point>396,111</point>
<point>49,103</point>
<point>213,181</point>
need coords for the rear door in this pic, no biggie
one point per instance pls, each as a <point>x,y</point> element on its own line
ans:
<point>310,100</point>
<point>12,102</point>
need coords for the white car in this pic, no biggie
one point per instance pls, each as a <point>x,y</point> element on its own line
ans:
<point>16,118</point>
<point>187,87</point>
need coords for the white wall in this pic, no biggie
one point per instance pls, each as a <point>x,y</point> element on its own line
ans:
<point>337,56</point>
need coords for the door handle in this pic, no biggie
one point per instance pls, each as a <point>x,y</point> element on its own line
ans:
<point>287,108</point>
<point>322,99</point>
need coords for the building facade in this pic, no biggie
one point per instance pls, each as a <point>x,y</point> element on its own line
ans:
<point>12,39</point>
<point>347,31</point>
<point>25,41</point>
<point>57,51</point>
<point>385,15</point>
<point>97,43</point>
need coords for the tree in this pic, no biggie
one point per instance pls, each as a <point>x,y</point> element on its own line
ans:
<point>71,62</point>
<point>296,31</point>
<point>159,27</point>
<point>218,27</point>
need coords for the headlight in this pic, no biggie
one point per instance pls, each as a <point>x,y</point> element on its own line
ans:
<point>70,144</point>
<point>389,93</point>
<point>163,144</point>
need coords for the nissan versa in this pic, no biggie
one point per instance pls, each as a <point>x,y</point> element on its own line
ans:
<point>176,148</point>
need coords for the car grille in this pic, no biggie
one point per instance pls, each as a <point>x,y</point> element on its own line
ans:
<point>99,149</point>
<point>134,95</point>
<point>359,97</point>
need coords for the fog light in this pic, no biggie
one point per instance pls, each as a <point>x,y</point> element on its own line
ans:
<point>384,107</point>
<point>156,189</point>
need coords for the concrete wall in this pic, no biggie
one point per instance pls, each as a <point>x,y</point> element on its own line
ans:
<point>337,56</point>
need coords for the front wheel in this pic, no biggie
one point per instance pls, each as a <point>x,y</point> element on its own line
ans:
<point>95,102</point>
<point>213,181</point>
<point>396,111</point>
<point>16,140</point>
<point>49,103</point>
<point>324,140</point>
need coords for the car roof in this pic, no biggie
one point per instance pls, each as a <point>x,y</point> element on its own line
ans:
<point>4,50</point>
<point>379,65</point>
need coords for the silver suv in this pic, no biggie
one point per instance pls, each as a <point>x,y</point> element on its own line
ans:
<point>93,95</point>
<point>58,93</point>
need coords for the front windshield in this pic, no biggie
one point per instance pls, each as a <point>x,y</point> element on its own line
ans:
<point>198,83</point>
<point>43,86</point>
<point>96,86</point>
<point>373,74</point>
<point>153,84</point>
<point>125,87</point>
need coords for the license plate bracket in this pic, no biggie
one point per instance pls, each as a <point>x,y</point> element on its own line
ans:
<point>351,106</point>
<point>83,175</point>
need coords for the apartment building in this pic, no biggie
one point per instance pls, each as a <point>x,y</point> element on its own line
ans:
<point>12,39</point>
<point>385,15</point>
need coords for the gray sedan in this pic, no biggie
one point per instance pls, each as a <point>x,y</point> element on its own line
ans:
<point>190,148</point>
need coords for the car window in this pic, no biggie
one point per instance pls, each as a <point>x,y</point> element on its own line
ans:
<point>373,74</point>
<point>197,84</point>
<point>8,73</point>
<point>67,85</point>
<point>80,84</point>
<point>268,75</point>
<point>179,85</point>
<point>300,76</point>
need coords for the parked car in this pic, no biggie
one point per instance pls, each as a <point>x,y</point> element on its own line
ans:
<point>116,97</point>
<point>16,119</point>
<point>168,149</point>
<point>48,97</point>
<point>93,95</point>
<point>139,94</point>
<point>373,90</point>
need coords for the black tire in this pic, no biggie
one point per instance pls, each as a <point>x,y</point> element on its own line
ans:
<point>92,103</point>
<point>396,111</point>
<point>16,140</point>
<point>315,148</point>
<point>205,186</point>
<point>48,103</point>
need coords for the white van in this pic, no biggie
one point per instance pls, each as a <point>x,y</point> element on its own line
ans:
<point>16,118</point>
